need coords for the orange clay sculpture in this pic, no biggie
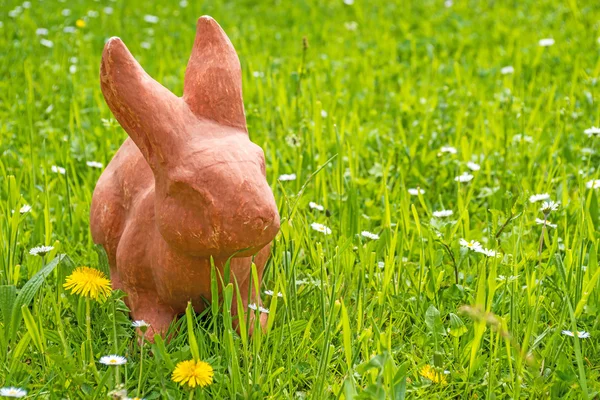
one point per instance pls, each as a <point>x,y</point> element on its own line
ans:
<point>187,185</point>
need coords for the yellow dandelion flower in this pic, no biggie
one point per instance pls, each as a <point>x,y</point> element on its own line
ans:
<point>80,23</point>
<point>193,373</point>
<point>88,282</point>
<point>431,374</point>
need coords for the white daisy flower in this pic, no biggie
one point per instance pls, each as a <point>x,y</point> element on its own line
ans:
<point>109,122</point>
<point>66,12</point>
<point>287,177</point>
<point>14,13</point>
<point>315,283</point>
<point>58,170</point>
<point>183,3</point>
<point>593,131</point>
<point>108,10</point>
<point>471,245</point>
<point>580,334</point>
<point>145,45</point>
<point>316,206</point>
<point>549,206</point>
<point>272,293</point>
<point>94,164</point>
<point>465,177</point>
<point>416,192</point>
<point>539,197</point>
<point>507,70</point>
<point>487,252</point>
<point>151,19</point>
<point>508,279</point>
<point>369,235</point>
<point>41,250</point>
<point>546,42</point>
<point>119,394</point>
<point>593,184</point>
<point>69,29</point>
<point>41,31</point>
<point>448,3</point>
<point>12,392</point>
<point>113,359</point>
<point>351,25</point>
<point>324,114</point>
<point>25,209</point>
<point>253,306</point>
<point>449,149</point>
<point>47,43</point>
<point>442,213</point>
<point>92,14</point>
<point>524,138</point>
<point>348,2</point>
<point>321,228</point>
<point>473,166</point>
<point>540,221</point>
<point>140,324</point>
<point>380,265</point>
<point>73,69</point>
<point>26,4</point>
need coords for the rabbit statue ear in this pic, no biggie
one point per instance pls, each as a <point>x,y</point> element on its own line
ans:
<point>149,112</point>
<point>213,78</point>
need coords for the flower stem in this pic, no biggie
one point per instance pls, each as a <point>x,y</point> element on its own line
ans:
<point>115,341</point>
<point>191,394</point>
<point>88,327</point>
<point>139,391</point>
<point>88,331</point>
<point>541,247</point>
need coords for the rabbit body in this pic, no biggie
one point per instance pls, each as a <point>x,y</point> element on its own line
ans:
<point>187,185</point>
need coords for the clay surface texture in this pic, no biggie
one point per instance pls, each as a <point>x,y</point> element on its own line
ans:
<point>187,185</point>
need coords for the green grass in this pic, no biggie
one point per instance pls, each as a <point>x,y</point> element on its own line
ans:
<point>360,117</point>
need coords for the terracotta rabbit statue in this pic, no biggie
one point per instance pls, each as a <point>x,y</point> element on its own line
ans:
<point>187,185</point>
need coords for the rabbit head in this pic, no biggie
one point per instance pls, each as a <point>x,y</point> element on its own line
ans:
<point>211,194</point>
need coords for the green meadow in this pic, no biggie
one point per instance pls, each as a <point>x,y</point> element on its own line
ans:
<point>437,171</point>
